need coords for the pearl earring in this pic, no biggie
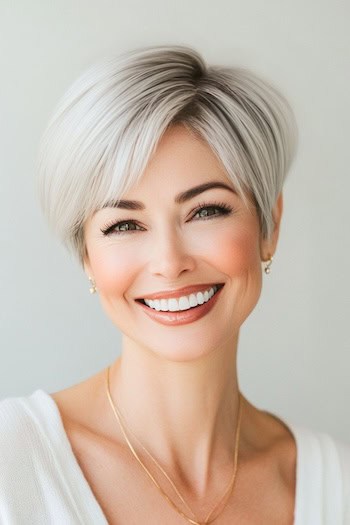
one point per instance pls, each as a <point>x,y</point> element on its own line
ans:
<point>267,267</point>
<point>92,288</point>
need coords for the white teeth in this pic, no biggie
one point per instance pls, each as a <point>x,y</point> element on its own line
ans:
<point>156,303</point>
<point>173,304</point>
<point>193,300</point>
<point>200,297</point>
<point>163,304</point>
<point>183,303</point>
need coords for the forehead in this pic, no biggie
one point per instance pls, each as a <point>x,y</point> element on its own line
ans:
<point>180,161</point>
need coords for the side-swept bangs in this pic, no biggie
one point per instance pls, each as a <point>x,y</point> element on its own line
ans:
<point>108,124</point>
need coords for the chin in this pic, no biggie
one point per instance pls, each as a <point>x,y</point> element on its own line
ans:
<point>186,347</point>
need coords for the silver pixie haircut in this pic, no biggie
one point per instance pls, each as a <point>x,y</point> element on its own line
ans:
<point>108,124</point>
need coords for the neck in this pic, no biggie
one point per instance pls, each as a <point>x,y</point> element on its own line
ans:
<point>184,413</point>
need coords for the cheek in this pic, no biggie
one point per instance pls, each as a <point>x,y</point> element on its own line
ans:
<point>113,270</point>
<point>236,252</point>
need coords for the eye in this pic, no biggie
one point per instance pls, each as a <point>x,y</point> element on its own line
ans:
<point>124,227</point>
<point>131,226</point>
<point>221,207</point>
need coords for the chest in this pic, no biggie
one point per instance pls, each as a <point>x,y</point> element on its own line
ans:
<point>127,496</point>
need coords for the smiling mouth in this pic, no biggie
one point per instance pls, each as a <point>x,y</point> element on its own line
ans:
<point>164,307</point>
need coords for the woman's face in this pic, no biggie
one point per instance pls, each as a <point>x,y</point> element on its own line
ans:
<point>209,238</point>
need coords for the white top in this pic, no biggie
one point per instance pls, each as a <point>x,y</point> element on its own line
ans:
<point>41,481</point>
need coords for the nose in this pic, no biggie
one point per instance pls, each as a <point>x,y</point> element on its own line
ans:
<point>170,256</point>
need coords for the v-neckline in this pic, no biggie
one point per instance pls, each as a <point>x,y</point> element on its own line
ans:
<point>68,458</point>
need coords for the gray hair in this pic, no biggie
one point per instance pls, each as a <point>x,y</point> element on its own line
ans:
<point>108,124</point>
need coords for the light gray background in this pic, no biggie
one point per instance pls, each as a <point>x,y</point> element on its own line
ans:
<point>294,353</point>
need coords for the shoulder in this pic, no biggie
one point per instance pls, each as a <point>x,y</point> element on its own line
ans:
<point>324,471</point>
<point>16,423</point>
<point>22,413</point>
<point>335,455</point>
<point>28,480</point>
<point>22,442</point>
<point>40,481</point>
<point>342,452</point>
<point>319,447</point>
<point>328,448</point>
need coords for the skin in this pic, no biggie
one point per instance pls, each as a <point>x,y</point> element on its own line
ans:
<point>183,379</point>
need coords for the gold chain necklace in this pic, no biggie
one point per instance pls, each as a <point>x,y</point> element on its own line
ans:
<point>229,488</point>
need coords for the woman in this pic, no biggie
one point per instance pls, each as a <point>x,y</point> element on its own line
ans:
<point>164,176</point>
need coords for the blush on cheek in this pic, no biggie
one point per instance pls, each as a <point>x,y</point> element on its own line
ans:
<point>237,253</point>
<point>113,274</point>
<point>240,261</point>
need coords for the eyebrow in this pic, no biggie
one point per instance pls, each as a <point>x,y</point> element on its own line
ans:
<point>179,199</point>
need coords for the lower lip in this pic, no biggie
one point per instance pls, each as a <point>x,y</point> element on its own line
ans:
<point>183,316</point>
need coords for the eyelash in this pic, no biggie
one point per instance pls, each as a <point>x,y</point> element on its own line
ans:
<point>224,209</point>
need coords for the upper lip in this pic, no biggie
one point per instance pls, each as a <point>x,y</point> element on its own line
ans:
<point>180,291</point>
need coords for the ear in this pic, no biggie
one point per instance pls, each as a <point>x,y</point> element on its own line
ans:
<point>268,246</point>
<point>86,264</point>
